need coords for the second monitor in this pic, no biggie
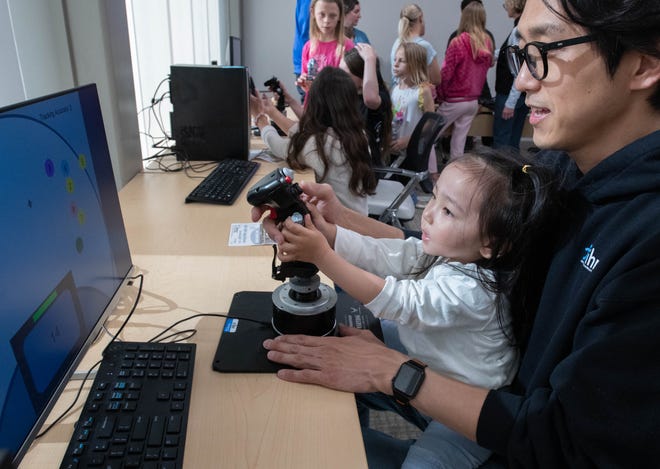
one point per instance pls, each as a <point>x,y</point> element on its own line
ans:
<point>211,112</point>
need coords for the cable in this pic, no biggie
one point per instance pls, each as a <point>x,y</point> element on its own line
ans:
<point>66,411</point>
<point>114,338</point>
<point>157,338</point>
<point>214,315</point>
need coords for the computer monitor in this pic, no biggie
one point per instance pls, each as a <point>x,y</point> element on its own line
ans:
<point>210,117</point>
<point>64,255</point>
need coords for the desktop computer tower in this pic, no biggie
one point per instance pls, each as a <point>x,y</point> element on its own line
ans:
<point>210,117</point>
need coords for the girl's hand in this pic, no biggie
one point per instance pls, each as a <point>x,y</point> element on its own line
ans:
<point>302,243</point>
<point>366,51</point>
<point>400,144</point>
<point>329,230</point>
<point>256,106</point>
<point>303,82</point>
<point>267,104</point>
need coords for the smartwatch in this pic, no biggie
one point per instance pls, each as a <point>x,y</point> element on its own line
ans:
<point>408,380</point>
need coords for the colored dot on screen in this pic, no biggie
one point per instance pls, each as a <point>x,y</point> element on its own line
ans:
<point>49,167</point>
<point>79,245</point>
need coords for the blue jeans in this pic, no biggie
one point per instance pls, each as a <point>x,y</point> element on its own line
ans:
<point>507,133</point>
<point>438,446</point>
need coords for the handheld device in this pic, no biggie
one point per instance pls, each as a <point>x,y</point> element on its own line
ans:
<point>303,305</point>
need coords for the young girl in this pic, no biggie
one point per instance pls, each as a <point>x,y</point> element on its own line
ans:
<point>411,29</point>
<point>450,294</point>
<point>464,70</point>
<point>329,138</point>
<point>327,42</point>
<point>362,64</point>
<point>411,96</point>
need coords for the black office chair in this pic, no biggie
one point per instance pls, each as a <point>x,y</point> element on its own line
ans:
<point>392,202</point>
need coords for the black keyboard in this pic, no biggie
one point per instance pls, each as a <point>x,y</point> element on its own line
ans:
<point>224,183</point>
<point>137,409</point>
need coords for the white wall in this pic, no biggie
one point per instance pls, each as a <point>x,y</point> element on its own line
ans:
<point>49,46</point>
<point>167,33</point>
<point>33,50</point>
<point>268,28</point>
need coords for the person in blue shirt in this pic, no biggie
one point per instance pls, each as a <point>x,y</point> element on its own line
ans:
<point>352,15</point>
<point>300,38</point>
<point>586,394</point>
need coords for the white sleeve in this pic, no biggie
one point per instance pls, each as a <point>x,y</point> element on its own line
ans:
<point>278,145</point>
<point>382,257</point>
<point>446,298</point>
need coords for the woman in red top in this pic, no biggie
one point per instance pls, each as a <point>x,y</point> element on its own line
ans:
<point>464,69</point>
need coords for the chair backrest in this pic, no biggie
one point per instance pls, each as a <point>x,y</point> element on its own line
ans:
<point>421,141</point>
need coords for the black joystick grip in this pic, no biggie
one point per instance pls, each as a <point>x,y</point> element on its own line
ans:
<point>278,191</point>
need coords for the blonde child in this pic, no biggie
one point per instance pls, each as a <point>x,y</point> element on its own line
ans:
<point>327,42</point>
<point>411,96</point>
<point>411,29</point>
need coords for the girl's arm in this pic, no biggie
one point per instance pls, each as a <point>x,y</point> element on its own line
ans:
<point>307,244</point>
<point>370,90</point>
<point>428,105</point>
<point>435,73</point>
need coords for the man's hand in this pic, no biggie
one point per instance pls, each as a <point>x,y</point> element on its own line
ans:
<point>355,362</point>
<point>324,198</point>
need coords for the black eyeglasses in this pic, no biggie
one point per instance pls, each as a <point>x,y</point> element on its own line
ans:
<point>535,55</point>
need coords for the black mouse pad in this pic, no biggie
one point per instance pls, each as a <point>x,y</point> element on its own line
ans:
<point>240,347</point>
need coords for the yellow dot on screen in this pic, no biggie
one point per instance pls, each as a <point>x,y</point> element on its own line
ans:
<point>82,161</point>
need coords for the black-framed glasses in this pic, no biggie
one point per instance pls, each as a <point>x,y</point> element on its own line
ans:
<point>535,55</point>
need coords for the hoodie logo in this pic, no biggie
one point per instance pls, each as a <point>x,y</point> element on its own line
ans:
<point>589,260</point>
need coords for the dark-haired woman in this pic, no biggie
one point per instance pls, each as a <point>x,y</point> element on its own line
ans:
<point>329,139</point>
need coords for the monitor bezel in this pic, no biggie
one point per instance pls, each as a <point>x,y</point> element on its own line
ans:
<point>120,293</point>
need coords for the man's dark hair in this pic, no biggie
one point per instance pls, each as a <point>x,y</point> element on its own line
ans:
<point>619,27</point>
<point>349,5</point>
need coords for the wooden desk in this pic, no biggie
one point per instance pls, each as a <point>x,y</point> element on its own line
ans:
<point>235,420</point>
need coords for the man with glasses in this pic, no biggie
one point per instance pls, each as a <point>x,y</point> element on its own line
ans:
<point>588,390</point>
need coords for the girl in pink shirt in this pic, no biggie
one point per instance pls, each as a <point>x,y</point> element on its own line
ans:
<point>327,43</point>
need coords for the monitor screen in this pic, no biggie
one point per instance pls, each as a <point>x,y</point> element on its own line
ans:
<point>64,254</point>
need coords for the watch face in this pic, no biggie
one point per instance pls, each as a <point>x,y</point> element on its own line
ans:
<point>408,379</point>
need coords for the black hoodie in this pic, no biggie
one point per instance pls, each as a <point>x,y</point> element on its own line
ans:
<point>588,390</point>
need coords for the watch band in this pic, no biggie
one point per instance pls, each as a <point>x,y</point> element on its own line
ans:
<point>408,380</point>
